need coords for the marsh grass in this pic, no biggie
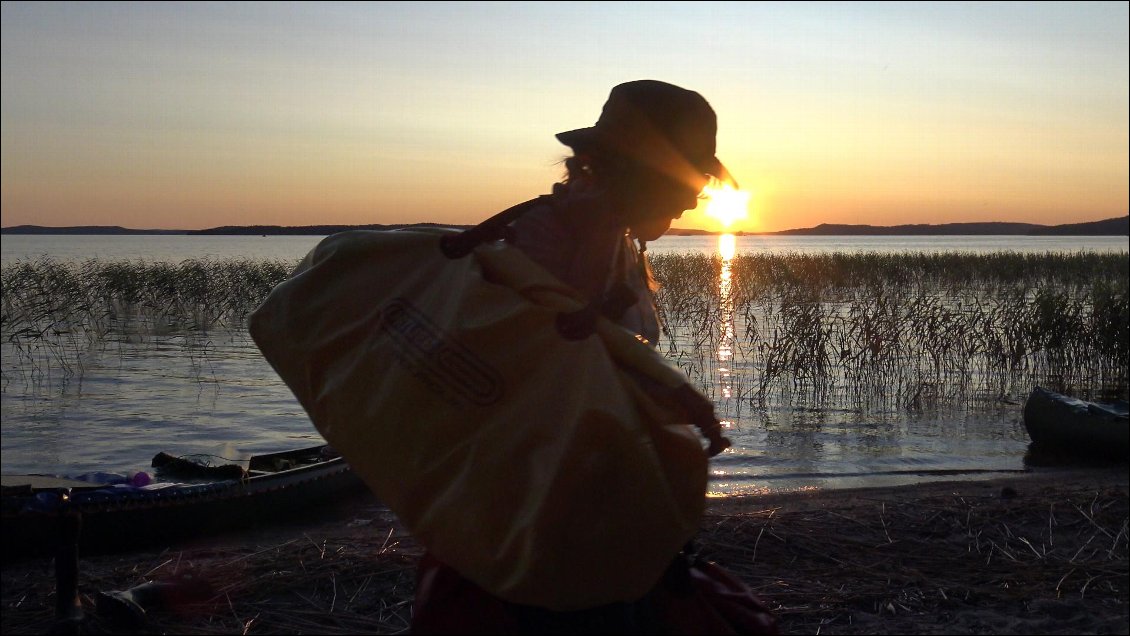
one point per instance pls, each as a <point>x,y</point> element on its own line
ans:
<point>903,330</point>
<point>867,329</point>
<point>56,315</point>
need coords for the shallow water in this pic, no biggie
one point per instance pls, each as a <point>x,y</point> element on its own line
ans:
<point>176,248</point>
<point>212,393</point>
<point>215,395</point>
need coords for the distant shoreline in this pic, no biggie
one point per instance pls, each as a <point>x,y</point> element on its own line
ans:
<point>1119,226</point>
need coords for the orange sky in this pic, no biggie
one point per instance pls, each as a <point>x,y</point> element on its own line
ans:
<point>184,115</point>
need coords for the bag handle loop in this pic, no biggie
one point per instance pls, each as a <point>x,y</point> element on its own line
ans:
<point>492,229</point>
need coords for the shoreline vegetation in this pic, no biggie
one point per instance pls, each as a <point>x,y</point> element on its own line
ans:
<point>1119,226</point>
<point>861,331</point>
<point>1041,553</point>
<point>1045,552</point>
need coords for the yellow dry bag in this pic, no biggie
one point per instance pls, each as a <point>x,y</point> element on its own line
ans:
<point>530,461</point>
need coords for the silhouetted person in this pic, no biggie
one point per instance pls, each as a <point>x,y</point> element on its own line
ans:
<point>644,162</point>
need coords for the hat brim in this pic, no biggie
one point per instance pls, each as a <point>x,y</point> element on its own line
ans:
<point>586,138</point>
<point>578,137</point>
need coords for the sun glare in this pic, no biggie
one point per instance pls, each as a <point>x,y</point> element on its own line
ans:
<point>727,247</point>
<point>726,204</point>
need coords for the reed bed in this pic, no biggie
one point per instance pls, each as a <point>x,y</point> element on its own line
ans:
<point>962,558</point>
<point>45,297</point>
<point>55,315</point>
<point>902,330</point>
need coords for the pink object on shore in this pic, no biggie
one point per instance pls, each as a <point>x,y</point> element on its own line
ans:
<point>140,478</point>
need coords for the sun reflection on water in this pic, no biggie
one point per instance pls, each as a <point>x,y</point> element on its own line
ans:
<point>726,247</point>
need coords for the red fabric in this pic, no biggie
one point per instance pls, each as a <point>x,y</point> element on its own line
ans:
<point>447,603</point>
<point>710,600</point>
<point>692,598</point>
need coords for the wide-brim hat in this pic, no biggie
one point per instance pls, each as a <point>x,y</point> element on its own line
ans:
<point>666,127</point>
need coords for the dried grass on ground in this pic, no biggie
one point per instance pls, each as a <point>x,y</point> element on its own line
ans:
<point>1038,554</point>
<point>1000,557</point>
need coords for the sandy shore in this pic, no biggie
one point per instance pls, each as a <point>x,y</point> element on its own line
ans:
<point>1039,553</point>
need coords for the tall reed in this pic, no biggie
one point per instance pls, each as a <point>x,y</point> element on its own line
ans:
<point>903,329</point>
<point>53,314</point>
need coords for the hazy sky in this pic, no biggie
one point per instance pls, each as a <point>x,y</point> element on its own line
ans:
<point>194,115</point>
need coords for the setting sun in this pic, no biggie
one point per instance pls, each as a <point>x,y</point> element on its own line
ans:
<point>726,204</point>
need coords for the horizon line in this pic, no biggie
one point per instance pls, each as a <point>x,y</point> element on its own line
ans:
<point>672,231</point>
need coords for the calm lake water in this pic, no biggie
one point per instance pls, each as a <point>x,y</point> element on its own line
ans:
<point>178,248</point>
<point>213,394</point>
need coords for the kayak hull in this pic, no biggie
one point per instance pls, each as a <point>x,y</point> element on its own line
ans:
<point>119,521</point>
<point>1070,425</point>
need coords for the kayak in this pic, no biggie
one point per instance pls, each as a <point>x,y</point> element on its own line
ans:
<point>200,503</point>
<point>1069,425</point>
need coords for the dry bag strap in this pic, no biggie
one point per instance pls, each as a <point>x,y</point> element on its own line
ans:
<point>492,229</point>
<point>580,324</point>
<point>574,325</point>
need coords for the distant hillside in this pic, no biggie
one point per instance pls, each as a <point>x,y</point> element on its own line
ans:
<point>1119,226</point>
<point>311,230</point>
<point>1108,227</point>
<point>833,229</point>
<point>82,229</point>
<point>249,230</point>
